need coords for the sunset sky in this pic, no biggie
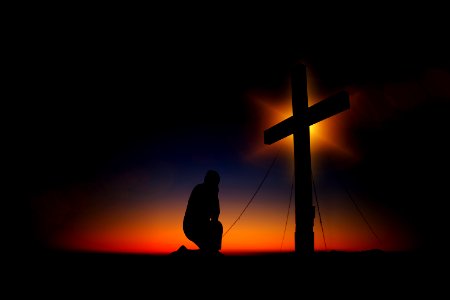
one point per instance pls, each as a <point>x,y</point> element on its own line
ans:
<point>117,123</point>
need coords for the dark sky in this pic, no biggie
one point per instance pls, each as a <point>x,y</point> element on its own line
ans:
<point>98,95</point>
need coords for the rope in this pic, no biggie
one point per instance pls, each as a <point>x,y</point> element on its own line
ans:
<point>289,208</point>
<point>362,215</point>
<point>318,210</point>
<point>251,199</point>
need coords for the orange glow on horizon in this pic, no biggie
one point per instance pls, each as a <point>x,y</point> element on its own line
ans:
<point>143,230</point>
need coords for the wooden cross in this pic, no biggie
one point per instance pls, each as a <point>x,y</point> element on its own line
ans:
<point>298,125</point>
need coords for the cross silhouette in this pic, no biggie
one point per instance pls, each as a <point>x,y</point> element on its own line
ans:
<point>298,125</point>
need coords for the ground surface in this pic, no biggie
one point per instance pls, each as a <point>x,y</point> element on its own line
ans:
<point>362,274</point>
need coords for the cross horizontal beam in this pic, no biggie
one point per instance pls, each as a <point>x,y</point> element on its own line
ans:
<point>316,113</point>
<point>279,131</point>
<point>328,107</point>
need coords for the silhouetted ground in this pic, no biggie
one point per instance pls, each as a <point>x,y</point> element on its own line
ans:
<point>365,274</point>
<point>374,263</point>
<point>290,260</point>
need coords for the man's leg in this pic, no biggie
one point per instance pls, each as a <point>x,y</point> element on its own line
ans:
<point>216,236</point>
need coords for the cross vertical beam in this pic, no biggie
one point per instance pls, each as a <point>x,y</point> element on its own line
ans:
<point>304,211</point>
<point>298,125</point>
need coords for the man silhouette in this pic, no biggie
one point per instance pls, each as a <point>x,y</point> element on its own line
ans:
<point>201,222</point>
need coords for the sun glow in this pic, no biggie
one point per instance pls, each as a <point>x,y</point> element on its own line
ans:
<point>327,137</point>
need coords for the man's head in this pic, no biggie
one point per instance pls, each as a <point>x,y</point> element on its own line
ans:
<point>212,177</point>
